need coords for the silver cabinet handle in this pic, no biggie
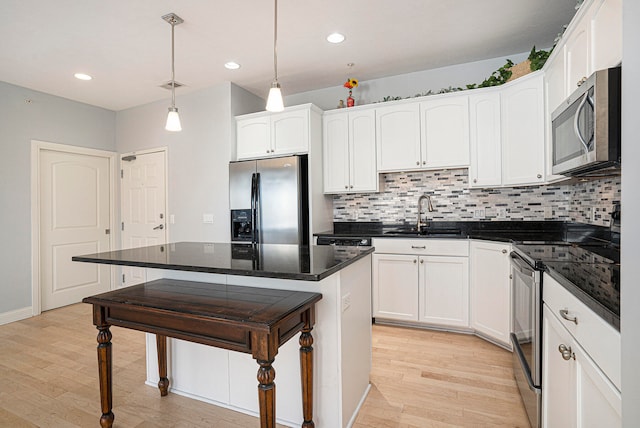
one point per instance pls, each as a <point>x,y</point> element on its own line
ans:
<point>418,163</point>
<point>346,187</point>
<point>475,180</point>
<point>424,162</point>
<point>539,176</point>
<point>416,247</point>
<point>161,226</point>
<point>504,251</point>
<point>564,313</point>
<point>415,261</point>
<point>421,261</point>
<point>566,352</point>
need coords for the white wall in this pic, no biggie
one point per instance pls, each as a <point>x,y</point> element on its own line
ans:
<point>45,118</point>
<point>198,156</point>
<point>630,286</point>
<point>403,85</point>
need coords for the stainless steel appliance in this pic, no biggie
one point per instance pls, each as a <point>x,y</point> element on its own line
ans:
<point>269,201</point>
<point>586,127</point>
<point>526,313</point>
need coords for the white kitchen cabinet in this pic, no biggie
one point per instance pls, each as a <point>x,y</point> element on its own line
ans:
<point>554,91</point>
<point>265,134</point>
<point>577,56</point>
<point>444,290</point>
<point>398,137</point>
<point>490,290</point>
<point>576,391</point>
<point>444,123</point>
<point>350,152</point>
<point>395,286</point>
<point>606,34</point>
<point>424,280</point>
<point>523,142</point>
<point>485,169</point>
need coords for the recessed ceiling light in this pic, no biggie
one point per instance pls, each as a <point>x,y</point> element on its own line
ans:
<point>335,38</point>
<point>232,65</point>
<point>82,76</point>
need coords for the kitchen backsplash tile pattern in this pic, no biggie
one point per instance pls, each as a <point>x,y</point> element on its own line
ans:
<point>588,202</point>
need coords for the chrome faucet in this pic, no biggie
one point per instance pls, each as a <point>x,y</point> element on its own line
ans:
<point>429,207</point>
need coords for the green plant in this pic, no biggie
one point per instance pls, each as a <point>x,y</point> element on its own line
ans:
<point>498,77</point>
<point>538,58</point>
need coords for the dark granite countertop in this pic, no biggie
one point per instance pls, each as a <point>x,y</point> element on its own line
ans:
<point>312,263</point>
<point>581,257</point>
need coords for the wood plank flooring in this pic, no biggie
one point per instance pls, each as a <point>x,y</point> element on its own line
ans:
<point>48,378</point>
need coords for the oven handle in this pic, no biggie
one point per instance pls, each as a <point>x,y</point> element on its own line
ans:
<point>521,264</point>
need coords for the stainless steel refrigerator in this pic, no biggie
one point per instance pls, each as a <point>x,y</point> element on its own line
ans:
<point>269,201</point>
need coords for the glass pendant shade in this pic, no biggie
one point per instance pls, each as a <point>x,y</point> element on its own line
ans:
<point>173,120</point>
<point>274,101</point>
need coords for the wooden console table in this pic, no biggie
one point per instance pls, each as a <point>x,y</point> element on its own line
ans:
<point>252,320</point>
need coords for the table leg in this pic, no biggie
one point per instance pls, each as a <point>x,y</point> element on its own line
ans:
<point>267,394</point>
<point>306,371</point>
<point>105,374</point>
<point>161,347</point>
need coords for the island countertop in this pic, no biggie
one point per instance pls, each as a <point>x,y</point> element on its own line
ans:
<point>307,263</point>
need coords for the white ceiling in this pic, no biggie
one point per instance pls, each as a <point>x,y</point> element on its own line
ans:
<point>126,46</point>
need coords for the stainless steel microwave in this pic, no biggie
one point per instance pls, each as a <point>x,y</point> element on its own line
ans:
<point>586,127</point>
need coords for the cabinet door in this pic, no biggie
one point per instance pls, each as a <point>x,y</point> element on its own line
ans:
<point>554,88</point>
<point>395,287</point>
<point>445,132</point>
<point>253,138</point>
<point>558,375</point>
<point>444,290</point>
<point>398,137</point>
<point>336,153</point>
<point>606,34</point>
<point>362,143</point>
<point>523,131</point>
<point>485,169</point>
<point>577,55</point>
<point>290,132</point>
<point>490,290</point>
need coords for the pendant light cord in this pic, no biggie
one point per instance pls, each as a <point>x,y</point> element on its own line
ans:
<point>275,41</point>
<point>173,68</point>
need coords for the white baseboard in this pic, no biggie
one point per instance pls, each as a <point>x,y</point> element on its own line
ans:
<point>17,315</point>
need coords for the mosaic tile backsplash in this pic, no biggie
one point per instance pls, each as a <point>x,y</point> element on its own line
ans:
<point>587,202</point>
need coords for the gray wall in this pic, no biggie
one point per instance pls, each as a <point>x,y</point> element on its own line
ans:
<point>198,156</point>
<point>45,118</point>
<point>630,287</point>
<point>403,85</point>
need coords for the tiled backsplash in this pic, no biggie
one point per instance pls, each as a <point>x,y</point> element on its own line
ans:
<point>453,200</point>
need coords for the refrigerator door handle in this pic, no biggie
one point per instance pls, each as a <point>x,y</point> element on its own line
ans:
<point>254,225</point>
<point>256,211</point>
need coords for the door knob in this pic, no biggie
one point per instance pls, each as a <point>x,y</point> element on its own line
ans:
<point>161,226</point>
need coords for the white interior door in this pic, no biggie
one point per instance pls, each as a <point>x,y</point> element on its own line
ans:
<point>143,191</point>
<point>75,212</point>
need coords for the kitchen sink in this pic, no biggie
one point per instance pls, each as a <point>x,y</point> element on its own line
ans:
<point>425,232</point>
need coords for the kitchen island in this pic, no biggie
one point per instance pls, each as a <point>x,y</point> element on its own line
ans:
<point>342,332</point>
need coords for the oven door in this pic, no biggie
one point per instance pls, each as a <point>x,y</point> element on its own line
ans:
<point>525,335</point>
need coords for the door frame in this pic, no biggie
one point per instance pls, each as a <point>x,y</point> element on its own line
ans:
<point>36,148</point>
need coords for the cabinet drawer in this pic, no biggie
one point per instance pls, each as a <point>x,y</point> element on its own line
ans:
<point>436,247</point>
<point>599,339</point>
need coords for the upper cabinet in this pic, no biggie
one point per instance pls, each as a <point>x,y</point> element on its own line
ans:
<point>445,132</point>
<point>606,34</point>
<point>266,134</point>
<point>523,148</point>
<point>423,135</point>
<point>350,151</point>
<point>398,137</point>
<point>507,134</point>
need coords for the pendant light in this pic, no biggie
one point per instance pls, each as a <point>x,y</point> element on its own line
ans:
<point>274,100</point>
<point>173,119</point>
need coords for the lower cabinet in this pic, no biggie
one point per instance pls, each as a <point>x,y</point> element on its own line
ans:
<point>489,269</point>
<point>429,285</point>
<point>576,393</point>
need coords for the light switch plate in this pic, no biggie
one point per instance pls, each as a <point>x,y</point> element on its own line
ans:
<point>478,213</point>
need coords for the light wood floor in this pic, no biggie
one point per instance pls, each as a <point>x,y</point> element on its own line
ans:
<point>48,378</point>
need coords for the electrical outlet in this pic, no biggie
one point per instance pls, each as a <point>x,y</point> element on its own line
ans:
<point>478,213</point>
<point>548,212</point>
<point>207,218</point>
<point>172,219</point>
<point>346,301</point>
<point>501,213</point>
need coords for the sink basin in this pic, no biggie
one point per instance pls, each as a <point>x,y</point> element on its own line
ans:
<point>425,232</point>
